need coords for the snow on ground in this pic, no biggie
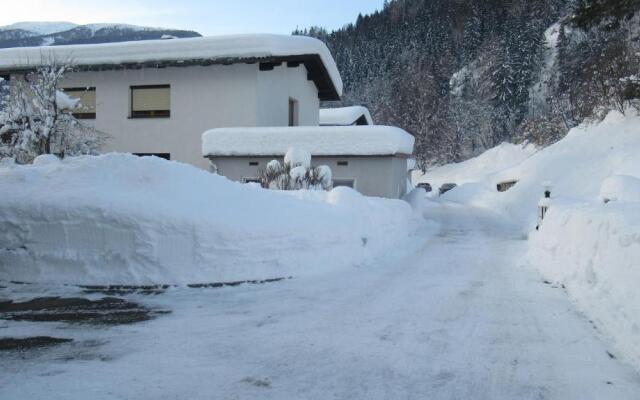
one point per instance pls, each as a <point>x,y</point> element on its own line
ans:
<point>590,247</point>
<point>575,168</point>
<point>477,169</point>
<point>594,250</point>
<point>367,315</point>
<point>318,140</point>
<point>457,319</point>
<point>121,219</point>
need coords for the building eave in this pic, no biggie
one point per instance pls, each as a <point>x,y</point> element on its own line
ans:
<point>316,70</point>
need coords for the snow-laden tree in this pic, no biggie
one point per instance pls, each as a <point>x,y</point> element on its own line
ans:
<point>296,173</point>
<point>36,118</point>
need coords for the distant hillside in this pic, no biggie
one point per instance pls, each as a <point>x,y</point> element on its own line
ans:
<point>25,34</point>
<point>463,76</point>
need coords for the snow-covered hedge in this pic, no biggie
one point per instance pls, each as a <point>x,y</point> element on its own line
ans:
<point>122,219</point>
<point>296,173</point>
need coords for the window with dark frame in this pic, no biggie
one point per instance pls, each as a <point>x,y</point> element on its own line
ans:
<point>151,101</point>
<point>343,163</point>
<point>293,112</point>
<point>253,163</point>
<point>251,180</point>
<point>87,98</point>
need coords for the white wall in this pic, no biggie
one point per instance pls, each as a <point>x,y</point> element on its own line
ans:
<point>378,176</point>
<point>201,98</point>
<point>277,86</point>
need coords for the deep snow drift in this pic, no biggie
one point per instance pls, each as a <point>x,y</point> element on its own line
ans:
<point>590,239</point>
<point>477,169</point>
<point>575,168</point>
<point>120,219</point>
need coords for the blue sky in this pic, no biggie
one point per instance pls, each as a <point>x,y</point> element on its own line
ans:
<point>206,17</point>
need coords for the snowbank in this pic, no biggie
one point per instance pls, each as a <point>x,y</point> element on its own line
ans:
<point>477,169</point>
<point>344,116</point>
<point>590,247</point>
<point>200,48</point>
<point>120,219</point>
<point>318,140</point>
<point>620,188</point>
<point>594,251</point>
<point>574,167</point>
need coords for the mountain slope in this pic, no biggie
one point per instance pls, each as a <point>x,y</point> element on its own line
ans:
<point>465,76</point>
<point>36,28</point>
<point>24,34</point>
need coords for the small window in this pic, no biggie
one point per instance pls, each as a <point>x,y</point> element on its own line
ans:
<point>251,180</point>
<point>150,101</point>
<point>166,156</point>
<point>293,112</point>
<point>343,163</point>
<point>344,182</point>
<point>253,163</point>
<point>87,106</point>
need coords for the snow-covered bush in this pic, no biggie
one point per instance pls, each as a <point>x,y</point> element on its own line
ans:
<point>298,157</point>
<point>36,118</point>
<point>296,173</point>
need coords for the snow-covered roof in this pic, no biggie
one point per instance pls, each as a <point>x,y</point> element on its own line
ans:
<point>344,116</point>
<point>208,50</point>
<point>318,140</point>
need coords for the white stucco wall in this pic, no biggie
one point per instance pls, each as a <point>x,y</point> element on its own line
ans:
<point>277,86</point>
<point>201,98</point>
<point>378,176</point>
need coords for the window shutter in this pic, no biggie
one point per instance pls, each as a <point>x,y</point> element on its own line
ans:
<point>150,99</point>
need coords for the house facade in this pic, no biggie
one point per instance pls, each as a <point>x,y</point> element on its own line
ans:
<point>369,159</point>
<point>157,97</point>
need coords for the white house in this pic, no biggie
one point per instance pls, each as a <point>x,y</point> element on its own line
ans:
<point>345,116</point>
<point>370,159</point>
<point>157,97</point>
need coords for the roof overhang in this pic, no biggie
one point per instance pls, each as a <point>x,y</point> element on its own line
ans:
<point>267,50</point>
<point>316,70</point>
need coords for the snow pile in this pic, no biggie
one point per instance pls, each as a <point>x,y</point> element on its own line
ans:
<point>479,168</point>
<point>235,47</point>
<point>620,188</point>
<point>120,219</point>
<point>318,140</point>
<point>594,251</point>
<point>574,167</point>
<point>343,116</point>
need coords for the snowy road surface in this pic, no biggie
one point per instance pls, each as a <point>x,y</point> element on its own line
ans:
<point>458,319</point>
